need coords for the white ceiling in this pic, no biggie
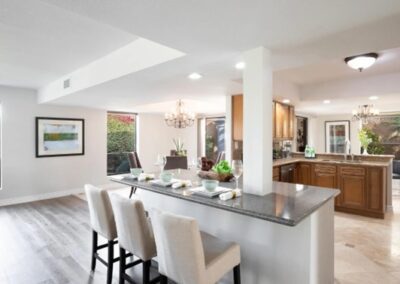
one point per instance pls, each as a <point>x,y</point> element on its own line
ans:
<point>213,34</point>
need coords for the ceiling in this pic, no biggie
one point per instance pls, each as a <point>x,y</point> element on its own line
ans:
<point>43,40</point>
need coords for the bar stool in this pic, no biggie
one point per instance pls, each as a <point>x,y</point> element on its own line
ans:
<point>102,222</point>
<point>188,256</point>
<point>135,235</point>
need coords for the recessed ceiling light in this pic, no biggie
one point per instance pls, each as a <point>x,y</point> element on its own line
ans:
<point>286,101</point>
<point>240,65</point>
<point>195,76</point>
<point>361,62</point>
<point>373,98</point>
<point>327,101</point>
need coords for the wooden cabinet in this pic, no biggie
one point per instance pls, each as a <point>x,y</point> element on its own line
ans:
<point>376,183</point>
<point>276,173</point>
<point>353,187</point>
<point>237,117</point>
<point>303,175</point>
<point>283,121</point>
<point>324,175</point>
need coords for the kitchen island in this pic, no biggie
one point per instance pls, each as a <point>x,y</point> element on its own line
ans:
<point>285,236</point>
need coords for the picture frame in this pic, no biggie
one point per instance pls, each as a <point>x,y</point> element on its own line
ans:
<point>337,132</point>
<point>57,137</point>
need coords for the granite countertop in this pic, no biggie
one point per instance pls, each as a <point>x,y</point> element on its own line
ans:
<point>288,204</point>
<point>286,161</point>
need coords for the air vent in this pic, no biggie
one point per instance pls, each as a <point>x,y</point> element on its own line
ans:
<point>66,83</point>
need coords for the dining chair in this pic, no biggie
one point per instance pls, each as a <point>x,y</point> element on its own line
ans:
<point>134,163</point>
<point>135,235</point>
<point>102,223</point>
<point>187,255</point>
<point>176,162</point>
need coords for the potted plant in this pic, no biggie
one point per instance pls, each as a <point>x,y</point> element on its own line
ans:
<point>221,172</point>
<point>179,150</point>
<point>364,140</point>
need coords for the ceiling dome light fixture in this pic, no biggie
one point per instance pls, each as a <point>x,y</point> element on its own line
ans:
<point>361,62</point>
<point>240,65</point>
<point>195,76</point>
<point>181,118</point>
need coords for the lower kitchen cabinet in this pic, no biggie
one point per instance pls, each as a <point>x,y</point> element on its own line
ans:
<point>324,176</point>
<point>303,173</point>
<point>353,186</point>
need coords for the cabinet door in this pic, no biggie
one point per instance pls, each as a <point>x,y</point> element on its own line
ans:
<point>304,174</point>
<point>237,117</point>
<point>286,121</point>
<point>279,120</point>
<point>292,117</point>
<point>353,191</point>
<point>376,189</point>
<point>324,176</point>
<point>275,174</point>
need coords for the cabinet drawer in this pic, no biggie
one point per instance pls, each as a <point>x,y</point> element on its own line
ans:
<point>326,169</point>
<point>353,171</point>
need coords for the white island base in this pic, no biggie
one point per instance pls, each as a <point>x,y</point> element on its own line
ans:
<point>271,253</point>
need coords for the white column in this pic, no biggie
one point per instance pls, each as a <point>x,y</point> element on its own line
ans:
<point>257,122</point>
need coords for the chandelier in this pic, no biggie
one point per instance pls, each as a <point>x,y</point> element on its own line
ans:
<point>180,118</point>
<point>365,113</point>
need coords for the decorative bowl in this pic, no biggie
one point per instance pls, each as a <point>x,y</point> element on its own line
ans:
<point>136,172</point>
<point>210,184</point>
<point>166,176</point>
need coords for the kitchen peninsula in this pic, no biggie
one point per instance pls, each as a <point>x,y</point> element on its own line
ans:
<point>285,236</point>
<point>364,181</point>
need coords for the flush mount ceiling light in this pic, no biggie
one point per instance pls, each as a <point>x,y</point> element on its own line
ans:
<point>195,76</point>
<point>181,118</point>
<point>361,62</point>
<point>286,101</point>
<point>240,65</point>
<point>373,98</point>
<point>326,102</point>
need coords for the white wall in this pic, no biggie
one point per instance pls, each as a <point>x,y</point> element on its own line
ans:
<point>25,176</point>
<point>155,137</point>
<point>318,132</point>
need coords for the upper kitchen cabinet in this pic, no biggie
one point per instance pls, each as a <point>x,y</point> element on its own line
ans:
<point>282,114</point>
<point>284,121</point>
<point>237,117</point>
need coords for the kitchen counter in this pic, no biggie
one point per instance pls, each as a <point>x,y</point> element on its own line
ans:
<point>286,161</point>
<point>288,204</point>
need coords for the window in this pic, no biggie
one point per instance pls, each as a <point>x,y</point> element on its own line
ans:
<point>121,139</point>
<point>214,136</point>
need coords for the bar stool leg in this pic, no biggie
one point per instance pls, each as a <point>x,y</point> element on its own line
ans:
<point>122,262</point>
<point>236,274</point>
<point>146,271</point>
<point>163,279</point>
<point>94,250</point>
<point>110,261</point>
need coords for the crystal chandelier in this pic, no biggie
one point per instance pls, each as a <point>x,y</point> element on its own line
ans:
<point>180,118</point>
<point>365,113</point>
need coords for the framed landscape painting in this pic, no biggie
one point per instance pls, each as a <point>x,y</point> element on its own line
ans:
<point>59,137</point>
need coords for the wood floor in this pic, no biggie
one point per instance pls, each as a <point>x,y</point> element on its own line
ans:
<point>49,242</point>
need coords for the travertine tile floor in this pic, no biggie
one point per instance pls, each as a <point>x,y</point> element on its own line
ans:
<point>368,250</point>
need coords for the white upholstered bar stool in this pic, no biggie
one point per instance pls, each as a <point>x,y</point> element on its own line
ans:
<point>135,235</point>
<point>102,222</point>
<point>188,256</point>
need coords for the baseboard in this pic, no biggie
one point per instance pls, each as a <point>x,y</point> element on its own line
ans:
<point>50,195</point>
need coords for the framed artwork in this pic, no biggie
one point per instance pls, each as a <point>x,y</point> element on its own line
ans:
<point>336,135</point>
<point>59,137</point>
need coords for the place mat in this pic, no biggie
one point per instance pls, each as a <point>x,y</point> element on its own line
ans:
<point>159,182</point>
<point>204,192</point>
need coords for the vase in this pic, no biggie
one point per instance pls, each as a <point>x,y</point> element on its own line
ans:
<point>365,151</point>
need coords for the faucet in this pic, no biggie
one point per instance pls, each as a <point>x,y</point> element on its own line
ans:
<point>347,150</point>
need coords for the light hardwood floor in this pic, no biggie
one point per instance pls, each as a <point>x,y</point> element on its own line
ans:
<point>49,242</point>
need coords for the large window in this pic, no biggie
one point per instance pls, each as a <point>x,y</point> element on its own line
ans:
<point>121,139</point>
<point>214,136</point>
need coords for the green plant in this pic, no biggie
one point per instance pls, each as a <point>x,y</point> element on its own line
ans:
<point>375,147</point>
<point>364,139</point>
<point>120,134</point>
<point>222,168</point>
